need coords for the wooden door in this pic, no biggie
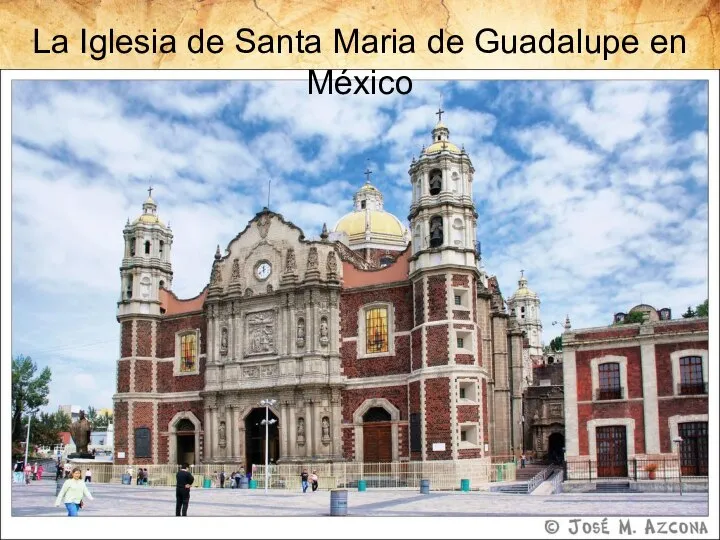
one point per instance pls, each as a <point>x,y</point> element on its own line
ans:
<point>694,448</point>
<point>611,451</point>
<point>377,442</point>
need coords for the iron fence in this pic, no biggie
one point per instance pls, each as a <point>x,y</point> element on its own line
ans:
<point>661,468</point>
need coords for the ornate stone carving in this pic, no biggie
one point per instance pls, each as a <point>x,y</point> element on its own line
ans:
<point>264,224</point>
<point>224,341</point>
<point>312,261</point>
<point>300,333</point>
<point>261,332</point>
<point>301,431</point>
<point>221,435</point>
<point>325,430</point>
<point>216,276</point>
<point>290,264</point>
<point>255,372</point>
<point>235,275</point>
<point>251,372</point>
<point>331,264</point>
<point>324,339</point>
<point>269,288</point>
<point>248,292</point>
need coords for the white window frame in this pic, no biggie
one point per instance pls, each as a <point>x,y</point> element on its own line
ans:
<point>675,360</point>
<point>468,337</point>
<point>362,328</point>
<point>471,384</point>
<point>473,435</point>
<point>464,294</point>
<point>595,374</point>
<point>178,352</point>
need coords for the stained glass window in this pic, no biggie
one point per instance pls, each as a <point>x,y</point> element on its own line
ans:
<point>188,353</point>
<point>376,330</point>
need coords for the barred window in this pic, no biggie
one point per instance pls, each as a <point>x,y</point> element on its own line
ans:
<point>376,329</point>
<point>188,353</point>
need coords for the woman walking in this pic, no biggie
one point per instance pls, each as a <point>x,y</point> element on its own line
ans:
<point>73,492</point>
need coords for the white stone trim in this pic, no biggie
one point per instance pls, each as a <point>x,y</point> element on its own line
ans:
<point>358,421</point>
<point>594,368</point>
<point>673,422</point>
<point>650,399</point>
<point>362,338</point>
<point>172,435</point>
<point>176,363</point>
<point>572,446</point>
<point>629,424</point>
<point>155,434</point>
<point>374,382</point>
<point>675,360</point>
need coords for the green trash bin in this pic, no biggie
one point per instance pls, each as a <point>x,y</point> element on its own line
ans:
<point>465,484</point>
<point>499,473</point>
<point>362,485</point>
<point>207,482</point>
<point>253,484</point>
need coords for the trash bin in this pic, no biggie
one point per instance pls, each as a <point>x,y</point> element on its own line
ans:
<point>464,484</point>
<point>244,483</point>
<point>253,484</point>
<point>207,482</point>
<point>362,485</point>
<point>425,487</point>
<point>338,501</point>
<point>126,479</point>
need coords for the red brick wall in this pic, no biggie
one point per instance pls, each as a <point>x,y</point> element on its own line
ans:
<point>437,298</point>
<point>415,407</point>
<point>169,327</point>
<point>351,302</point>
<point>663,365</point>
<point>437,417</point>
<point>467,413</point>
<point>120,418</point>
<point>469,453</point>
<point>584,374</point>
<point>436,343</point>
<point>143,375</point>
<point>167,382</point>
<point>461,315</point>
<point>144,338</point>
<point>698,326</point>
<point>352,399</point>
<point>479,347</point>
<point>123,376</point>
<point>678,406</point>
<point>348,443</point>
<point>464,359</point>
<point>608,334</point>
<point>166,412</point>
<point>354,367</point>
<point>419,302</point>
<point>417,348</point>
<point>126,339</point>
<point>142,418</point>
<point>459,280</point>
<point>625,409</point>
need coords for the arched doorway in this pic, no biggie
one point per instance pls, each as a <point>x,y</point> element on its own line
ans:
<point>185,433</point>
<point>255,438</point>
<point>556,448</point>
<point>377,436</point>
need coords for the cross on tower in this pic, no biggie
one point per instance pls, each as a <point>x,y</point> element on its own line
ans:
<point>522,273</point>
<point>150,190</point>
<point>439,114</point>
<point>367,174</point>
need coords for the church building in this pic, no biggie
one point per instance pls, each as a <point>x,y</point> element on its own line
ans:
<point>378,342</point>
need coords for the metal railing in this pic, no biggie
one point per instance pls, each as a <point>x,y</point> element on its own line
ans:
<point>602,394</point>
<point>660,468</point>
<point>557,480</point>
<point>443,475</point>
<point>690,389</point>
<point>539,478</point>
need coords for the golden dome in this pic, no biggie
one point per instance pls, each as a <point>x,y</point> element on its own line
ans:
<point>524,292</point>
<point>368,187</point>
<point>148,218</point>
<point>381,223</point>
<point>439,146</point>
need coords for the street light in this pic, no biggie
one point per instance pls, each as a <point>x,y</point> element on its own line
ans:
<point>678,440</point>
<point>267,403</point>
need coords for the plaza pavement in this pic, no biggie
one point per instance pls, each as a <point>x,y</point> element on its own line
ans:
<point>115,500</point>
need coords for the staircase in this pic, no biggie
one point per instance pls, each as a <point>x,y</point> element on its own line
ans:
<point>523,475</point>
<point>613,487</point>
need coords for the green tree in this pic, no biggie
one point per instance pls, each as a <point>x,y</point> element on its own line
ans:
<point>690,313</point>
<point>702,309</point>
<point>103,421</point>
<point>91,415</point>
<point>46,427</point>
<point>634,317</point>
<point>29,392</point>
<point>556,344</point>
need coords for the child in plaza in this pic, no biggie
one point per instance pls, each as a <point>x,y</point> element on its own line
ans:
<point>314,480</point>
<point>73,493</point>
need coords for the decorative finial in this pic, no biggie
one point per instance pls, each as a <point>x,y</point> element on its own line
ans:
<point>324,234</point>
<point>367,174</point>
<point>439,114</point>
<point>128,221</point>
<point>150,190</point>
<point>567,322</point>
<point>463,148</point>
<point>217,253</point>
<point>522,274</point>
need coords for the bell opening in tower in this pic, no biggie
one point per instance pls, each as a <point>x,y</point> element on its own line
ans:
<point>436,232</point>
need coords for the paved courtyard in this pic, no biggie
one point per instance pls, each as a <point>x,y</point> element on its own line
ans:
<point>116,500</point>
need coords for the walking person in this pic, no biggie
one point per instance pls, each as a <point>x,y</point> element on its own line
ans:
<point>28,473</point>
<point>522,461</point>
<point>40,471</point>
<point>140,476</point>
<point>314,480</point>
<point>88,475</point>
<point>304,480</point>
<point>73,493</point>
<point>183,481</point>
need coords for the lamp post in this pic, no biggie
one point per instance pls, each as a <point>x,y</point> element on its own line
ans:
<point>27,441</point>
<point>678,441</point>
<point>267,403</point>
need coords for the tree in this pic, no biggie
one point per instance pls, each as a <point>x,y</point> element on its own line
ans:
<point>634,317</point>
<point>46,427</point>
<point>29,392</point>
<point>91,415</point>
<point>690,313</point>
<point>103,421</point>
<point>556,344</point>
<point>702,309</point>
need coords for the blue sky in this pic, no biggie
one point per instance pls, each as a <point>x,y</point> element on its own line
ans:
<point>598,190</point>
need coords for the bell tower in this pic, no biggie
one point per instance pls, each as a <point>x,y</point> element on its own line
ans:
<point>448,388</point>
<point>146,264</point>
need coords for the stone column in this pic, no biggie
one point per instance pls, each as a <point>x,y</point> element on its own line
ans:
<point>284,432</point>
<point>309,430</point>
<point>292,432</point>
<point>213,431</point>
<point>572,446</point>
<point>336,431</point>
<point>229,432</point>
<point>650,402</point>
<point>237,432</point>
<point>208,442</point>
<point>318,448</point>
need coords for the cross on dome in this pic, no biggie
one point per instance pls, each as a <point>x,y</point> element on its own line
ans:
<point>439,114</point>
<point>367,174</point>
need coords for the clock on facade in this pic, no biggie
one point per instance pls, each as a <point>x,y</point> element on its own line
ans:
<point>263,270</point>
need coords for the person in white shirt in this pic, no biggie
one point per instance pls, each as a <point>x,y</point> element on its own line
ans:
<point>73,493</point>
<point>88,475</point>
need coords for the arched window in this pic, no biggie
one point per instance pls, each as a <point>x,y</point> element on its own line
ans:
<point>129,288</point>
<point>162,245</point>
<point>435,182</point>
<point>188,353</point>
<point>147,247</point>
<point>376,330</point>
<point>184,425</point>
<point>436,231</point>
<point>132,246</point>
<point>691,376</point>
<point>162,284</point>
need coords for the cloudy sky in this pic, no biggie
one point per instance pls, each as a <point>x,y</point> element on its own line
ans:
<point>597,189</point>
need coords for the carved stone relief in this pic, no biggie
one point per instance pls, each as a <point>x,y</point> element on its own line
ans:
<point>260,332</point>
<point>300,334</point>
<point>224,341</point>
<point>324,332</point>
<point>235,276</point>
<point>264,225</point>
<point>325,430</point>
<point>301,431</point>
<point>221,435</point>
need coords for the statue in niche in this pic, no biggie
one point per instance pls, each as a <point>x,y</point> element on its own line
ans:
<point>325,429</point>
<point>221,435</point>
<point>436,231</point>
<point>224,341</point>
<point>264,224</point>
<point>301,431</point>
<point>312,261</point>
<point>300,334</point>
<point>435,183</point>
<point>324,331</point>
<point>235,276</point>
<point>331,263</point>
<point>216,276</point>
<point>257,340</point>
<point>290,261</point>
<point>269,288</point>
